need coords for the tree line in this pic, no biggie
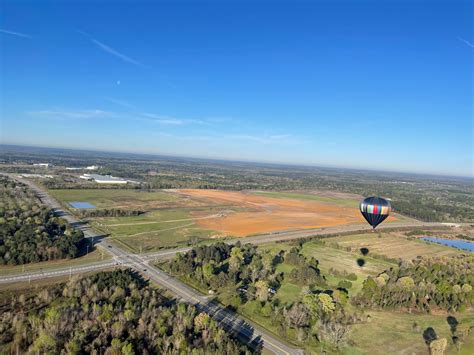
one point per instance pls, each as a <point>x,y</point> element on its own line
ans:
<point>109,212</point>
<point>424,284</point>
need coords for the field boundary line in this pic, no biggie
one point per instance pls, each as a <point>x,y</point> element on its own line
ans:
<point>216,215</point>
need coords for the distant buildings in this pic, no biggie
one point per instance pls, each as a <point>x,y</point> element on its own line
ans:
<point>103,179</point>
<point>92,167</point>
<point>44,165</point>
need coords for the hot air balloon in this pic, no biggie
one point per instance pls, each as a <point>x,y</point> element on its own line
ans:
<point>375,210</point>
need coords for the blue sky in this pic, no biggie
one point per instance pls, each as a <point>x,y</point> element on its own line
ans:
<point>383,85</point>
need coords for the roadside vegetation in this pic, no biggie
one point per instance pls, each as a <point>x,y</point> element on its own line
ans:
<point>252,277</point>
<point>108,313</point>
<point>93,256</point>
<point>331,303</point>
<point>29,231</point>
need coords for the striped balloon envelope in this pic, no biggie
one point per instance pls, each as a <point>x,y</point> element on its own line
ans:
<point>375,210</point>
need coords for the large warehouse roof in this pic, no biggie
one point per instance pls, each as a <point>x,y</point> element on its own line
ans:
<point>103,179</point>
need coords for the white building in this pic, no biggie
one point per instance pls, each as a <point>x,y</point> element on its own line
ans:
<point>92,167</point>
<point>44,165</point>
<point>103,179</point>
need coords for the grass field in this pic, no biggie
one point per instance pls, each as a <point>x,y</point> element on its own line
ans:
<point>387,332</point>
<point>392,245</point>
<point>155,229</point>
<point>168,222</point>
<point>343,260</point>
<point>152,241</point>
<point>329,258</point>
<point>394,333</point>
<point>116,198</point>
<point>346,202</point>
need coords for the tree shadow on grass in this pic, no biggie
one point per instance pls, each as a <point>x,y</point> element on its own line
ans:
<point>453,325</point>
<point>429,335</point>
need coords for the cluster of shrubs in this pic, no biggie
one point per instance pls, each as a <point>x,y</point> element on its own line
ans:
<point>111,212</point>
<point>423,284</point>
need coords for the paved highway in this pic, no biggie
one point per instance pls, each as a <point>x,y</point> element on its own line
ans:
<point>155,256</point>
<point>227,319</point>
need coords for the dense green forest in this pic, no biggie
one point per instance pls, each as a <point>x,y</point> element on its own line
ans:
<point>423,285</point>
<point>429,198</point>
<point>108,313</point>
<point>29,231</point>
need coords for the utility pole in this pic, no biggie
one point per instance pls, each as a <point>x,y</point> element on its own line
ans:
<point>87,252</point>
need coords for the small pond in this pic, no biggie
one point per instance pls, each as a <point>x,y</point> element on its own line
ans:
<point>455,243</point>
<point>81,205</point>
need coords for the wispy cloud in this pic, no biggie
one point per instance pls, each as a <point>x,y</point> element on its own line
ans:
<point>18,34</point>
<point>172,120</point>
<point>120,102</point>
<point>188,137</point>
<point>267,138</point>
<point>168,120</point>
<point>106,48</point>
<point>62,113</point>
<point>163,119</point>
<point>223,119</point>
<point>73,114</point>
<point>465,41</point>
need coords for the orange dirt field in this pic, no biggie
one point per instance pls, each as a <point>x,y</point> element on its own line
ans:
<point>258,214</point>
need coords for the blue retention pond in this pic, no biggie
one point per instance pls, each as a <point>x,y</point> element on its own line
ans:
<point>455,243</point>
<point>81,205</point>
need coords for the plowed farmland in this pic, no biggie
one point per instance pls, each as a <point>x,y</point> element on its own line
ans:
<point>261,214</point>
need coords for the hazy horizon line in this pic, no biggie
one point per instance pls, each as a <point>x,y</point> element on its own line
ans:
<point>281,163</point>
